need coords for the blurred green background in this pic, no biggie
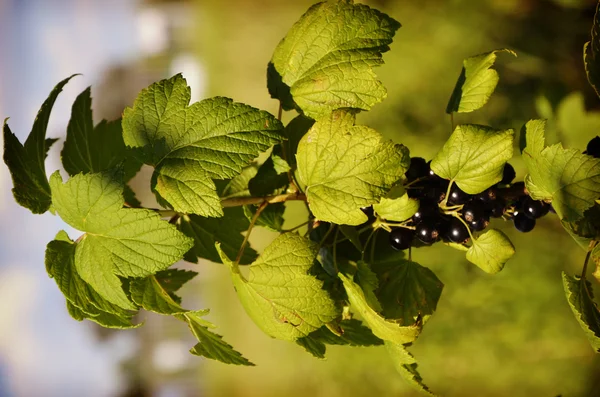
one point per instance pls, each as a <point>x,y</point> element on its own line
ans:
<point>512,334</point>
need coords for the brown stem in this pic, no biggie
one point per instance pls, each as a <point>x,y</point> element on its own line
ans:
<point>280,198</point>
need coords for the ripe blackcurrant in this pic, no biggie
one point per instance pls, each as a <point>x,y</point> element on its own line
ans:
<point>480,223</point>
<point>593,147</point>
<point>401,238</point>
<point>508,174</point>
<point>523,223</point>
<point>428,231</point>
<point>496,208</point>
<point>473,211</point>
<point>534,209</point>
<point>457,196</point>
<point>427,209</point>
<point>457,231</point>
<point>488,195</point>
<point>418,169</point>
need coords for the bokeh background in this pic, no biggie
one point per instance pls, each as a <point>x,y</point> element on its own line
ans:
<point>511,334</point>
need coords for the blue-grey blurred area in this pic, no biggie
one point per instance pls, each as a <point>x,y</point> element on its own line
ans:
<point>511,334</point>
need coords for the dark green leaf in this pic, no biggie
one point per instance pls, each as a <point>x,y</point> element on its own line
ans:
<point>268,180</point>
<point>26,162</point>
<point>271,217</point>
<point>581,299</point>
<point>407,290</point>
<point>88,149</point>
<point>207,231</point>
<point>148,293</point>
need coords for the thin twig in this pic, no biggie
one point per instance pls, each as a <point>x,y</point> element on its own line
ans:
<point>247,236</point>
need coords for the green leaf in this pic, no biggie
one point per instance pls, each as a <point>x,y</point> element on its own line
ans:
<point>294,131</point>
<point>368,283</point>
<point>353,333</point>
<point>566,177</point>
<point>585,229</point>
<point>381,327</point>
<point>191,145</point>
<point>581,299</point>
<point>313,346</point>
<point>238,186</point>
<point>88,149</point>
<point>476,83</point>
<point>85,302</point>
<point>268,179</point>
<point>407,290</point>
<point>118,241</point>
<point>130,198</point>
<point>326,60</point>
<point>591,54</point>
<point>106,320</point>
<point>26,161</point>
<point>474,157</point>
<point>207,231</point>
<point>406,365</point>
<point>396,206</point>
<point>491,251</point>
<point>345,167</point>
<point>270,218</point>
<point>173,279</point>
<point>280,295</point>
<point>211,345</point>
<point>148,293</point>
<point>352,234</point>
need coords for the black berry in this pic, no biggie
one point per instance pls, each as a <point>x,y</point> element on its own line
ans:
<point>428,231</point>
<point>496,208</point>
<point>457,196</point>
<point>534,209</point>
<point>523,223</point>
<point>418,169</point>
<point>508,174</point>
<point>427,209</point>
<point>456,232</point>
<point>488,195</point>
<point>593,147</point>
<point>480,223</point>
<point>401,238</point>
<point>473,211</point>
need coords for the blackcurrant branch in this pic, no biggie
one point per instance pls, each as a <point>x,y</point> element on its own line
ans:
<point>280,198</point>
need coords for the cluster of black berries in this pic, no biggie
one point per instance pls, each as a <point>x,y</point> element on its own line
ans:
<point>432,225</point>
<point>506,200</point>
